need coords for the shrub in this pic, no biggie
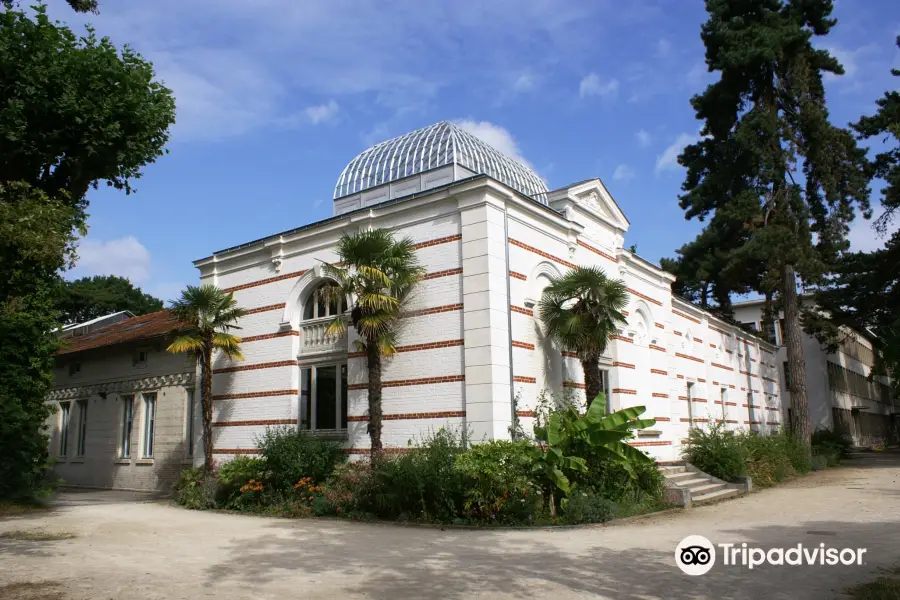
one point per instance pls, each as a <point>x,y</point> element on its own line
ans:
<point>717,451</point>
<point>195,489</point>
<point>236,473</point>
<point>584,505</point>
<point>830,442</point>
<point>350,490</point>
<point>290,455</point>
<point>497,482</point>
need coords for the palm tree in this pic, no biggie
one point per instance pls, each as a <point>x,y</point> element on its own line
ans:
<point>377,272</point>
<point>581,310</point>
<point>207,314</point>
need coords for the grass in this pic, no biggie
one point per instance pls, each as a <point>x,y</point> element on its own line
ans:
<point>36,535</point>
<point>8,509</point>
<point>31,591</point>
<point>886,587</point>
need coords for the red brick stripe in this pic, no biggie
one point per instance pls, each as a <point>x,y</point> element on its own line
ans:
<point>660,325</point>
<point>718,330</point>
<point>438,241</point>
<point>624,391</point>
<point>430,346</point>
<point>640,295</point>
<point>523,379</point>
<point>676,332</point>
<point>680,376</point>
<point>256,394</point>
<point>254,423</point>
<point>653,443</point>
<point>770,379</point>
<point>721,366</point>
<point>659,372</point>
<point>515,275</point>
<point>662,419</point>
<point>412,416</point>
<point>521,310</point>
<point>683,420</point>
<point>444,273</point>
<point>534,250</point>
<point>623,365</point>
<point>689,357</point>
<point>570,355</point>
<point>657,348</point>
<point>367,451</point>
<point>524,413</point>
<point>253,284</point>
<point>684,316</point>
<point>597,251</point>
<point>573,384</point>
<point>712,345</point>
<point>730,404</point>
<point>432,311</point>
<point>660,395</point>
<point>260,309</point>
<point>523,345</point>
<point>407,382</point>
<point>361,354</point>
<point>621,338</point>
<point>257,366</point>
<point>701,380</point>
<point>269,336</point>
<point>237,451</point>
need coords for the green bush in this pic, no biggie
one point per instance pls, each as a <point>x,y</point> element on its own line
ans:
<point>195,489</point>
<point>717,451</point>
<point>497,482</point>
<point>613,481</point>
<point>290,455</point>
<point>831,443</point>
<point>236,473</point>
<point>584,505</point>
<point>350,490</point>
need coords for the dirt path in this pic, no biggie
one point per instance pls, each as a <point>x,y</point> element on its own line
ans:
<point>128,549</point>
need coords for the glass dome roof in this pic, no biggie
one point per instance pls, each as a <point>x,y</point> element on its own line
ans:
<point>434,146</point>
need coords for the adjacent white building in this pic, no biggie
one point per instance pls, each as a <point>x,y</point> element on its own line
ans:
<point>839,390</point>
<point>471,352</point>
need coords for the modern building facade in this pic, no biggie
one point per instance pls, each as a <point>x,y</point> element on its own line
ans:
<point>472,353</point>
<point>839,390</point>
<point>127,414</point>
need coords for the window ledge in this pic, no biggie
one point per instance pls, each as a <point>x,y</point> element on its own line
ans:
<point>188,461</point>
<point>144,461</point>
<point>61,459</point>
<point>77,459</point>
<point>339,435</point>
<point>122,461</point>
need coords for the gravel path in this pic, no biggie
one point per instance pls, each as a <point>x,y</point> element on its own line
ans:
<point>128,547</point>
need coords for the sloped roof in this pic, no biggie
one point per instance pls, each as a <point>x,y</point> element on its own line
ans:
<point>130,330</point>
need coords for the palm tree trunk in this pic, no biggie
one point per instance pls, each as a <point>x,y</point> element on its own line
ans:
<point>207,405</point>
<point>373,358</point>
<point>796,364</point>
<point>592,384</point>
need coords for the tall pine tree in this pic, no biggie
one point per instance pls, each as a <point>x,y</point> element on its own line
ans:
<point>769,162</point>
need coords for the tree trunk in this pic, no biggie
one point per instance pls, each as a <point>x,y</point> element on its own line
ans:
<point>592,384</point>
<point>373,357</point>
<point>796,364</point>
<point>206,404</point>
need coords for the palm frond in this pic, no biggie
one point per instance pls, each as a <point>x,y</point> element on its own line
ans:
<point>229,344</point>
<point>185,343</point>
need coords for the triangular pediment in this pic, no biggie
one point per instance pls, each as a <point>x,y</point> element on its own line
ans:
<point>593,196</point>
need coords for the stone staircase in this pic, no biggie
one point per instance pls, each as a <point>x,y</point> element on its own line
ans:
<point>700,487</point>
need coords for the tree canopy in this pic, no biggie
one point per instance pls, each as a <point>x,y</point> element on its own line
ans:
<point>91,297</point>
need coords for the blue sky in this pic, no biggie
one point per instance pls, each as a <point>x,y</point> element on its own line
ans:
<point>274,97</point>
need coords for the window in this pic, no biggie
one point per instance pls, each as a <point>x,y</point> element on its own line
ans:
<point>64,410</point>
<point>723,396</point>
<point>781,331</point>
<point>841,379</point>
<point>604,385</point>
<point>139,358</point>
<point>74,368</point>
<point>751,326</point>
<point>690,401</point>
<point>127,422</point>
<point>82,426</point>
<point>319,305</point>
<point>190,423</point>
<point>323,397</point>
<point>750,408</point>
<point>149,423</point>
<point>769,332</point>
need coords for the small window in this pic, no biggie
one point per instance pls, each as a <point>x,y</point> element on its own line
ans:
<point>723,395</point>
<point>319,305</point>
<point>149,424</point>
<point>189,429</point>
<point>127,423</point>
<point>74,368</point>
<point>64,414</point>
<point>82,426</point>
<point>139,358</point>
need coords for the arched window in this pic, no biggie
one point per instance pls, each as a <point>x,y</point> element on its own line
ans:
<point>320,303</point>
<point>640,327</point>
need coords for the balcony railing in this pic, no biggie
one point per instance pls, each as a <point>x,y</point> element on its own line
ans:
<point>315,338</point>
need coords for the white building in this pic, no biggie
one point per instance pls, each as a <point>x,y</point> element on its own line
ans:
<point>491,235</point>
<point>838,387</point>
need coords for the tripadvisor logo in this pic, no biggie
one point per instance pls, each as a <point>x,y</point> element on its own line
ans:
<point>696,555</point>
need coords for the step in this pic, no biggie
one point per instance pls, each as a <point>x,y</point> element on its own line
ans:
<point>693,482</point>
<point>706,488</point>
<point>672,469</point>
<point>713,496</point>
<point>676,477</point>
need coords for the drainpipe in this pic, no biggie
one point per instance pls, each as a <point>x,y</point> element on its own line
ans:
<point>512,389</point>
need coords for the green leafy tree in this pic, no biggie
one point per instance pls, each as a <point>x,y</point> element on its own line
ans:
<point>769,162</point>
<point>75,111</point>
<point>81,6</point>
<point>581,310</point>
<point>207,314</point>
<point>91,297</point>
<point>377,272</point>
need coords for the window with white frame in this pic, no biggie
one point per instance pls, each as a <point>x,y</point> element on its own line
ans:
<point>723,394</point>
<point>82,426</point>
<point>64,415</point>
<point>320,303</point>
<point>149,424</point>
<point>690,403</point>
<point>323,397</point>
<point>127,424</point>
<point>189,426</point>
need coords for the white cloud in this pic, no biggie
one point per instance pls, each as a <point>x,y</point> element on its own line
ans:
<point>668,160</point>
<point>623,173</point>
<point>125,257</point>
<point>525,82</point>
<point>592,85</point>
<point>864,238</point>
<point>644,138</point>
<point>663,47</point>
<point>322,113</point>
<point>495,136</point>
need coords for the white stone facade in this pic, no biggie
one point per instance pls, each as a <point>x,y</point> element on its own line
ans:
<point>471,342</point>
